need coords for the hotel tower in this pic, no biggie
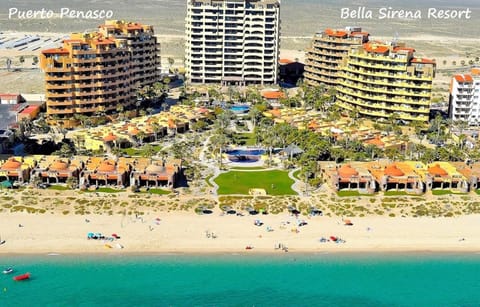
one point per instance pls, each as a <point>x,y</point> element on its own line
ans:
<point>232,42</point>
<point>386,80</point>
<point>465,98</point>
<point>97,72</point>
<point>326,53</point>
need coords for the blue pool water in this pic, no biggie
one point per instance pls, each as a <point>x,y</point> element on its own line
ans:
<point>239,108</point>
<point>246,152</point>
<point>244,280</point>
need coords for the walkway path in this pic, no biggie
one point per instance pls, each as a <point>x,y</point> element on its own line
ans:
<point>296,185</point>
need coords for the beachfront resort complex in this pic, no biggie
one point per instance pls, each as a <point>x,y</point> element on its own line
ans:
<point>232,42</point>
<point>99,71</point>
<point>376,79</point>
<point>384,81</point>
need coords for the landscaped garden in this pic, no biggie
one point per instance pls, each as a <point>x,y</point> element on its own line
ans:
<point>274,182</point>
<point>144,151</point>
<point>105,190</point>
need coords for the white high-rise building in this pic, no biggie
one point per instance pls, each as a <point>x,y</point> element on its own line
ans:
<point>232,42</point>
<point>465,98</point>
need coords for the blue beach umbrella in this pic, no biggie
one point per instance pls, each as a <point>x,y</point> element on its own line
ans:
<point>6,184</point>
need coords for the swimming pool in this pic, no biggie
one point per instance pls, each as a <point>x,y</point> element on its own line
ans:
<point>244,159</point>
<point>239,108</point>
<point>246,152</point>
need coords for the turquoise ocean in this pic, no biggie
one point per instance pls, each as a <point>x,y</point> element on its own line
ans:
<point>244,280</point>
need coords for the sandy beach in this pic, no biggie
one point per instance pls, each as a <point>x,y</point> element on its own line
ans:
<point>186,232</point>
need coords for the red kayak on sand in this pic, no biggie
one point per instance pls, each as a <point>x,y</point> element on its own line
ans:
<point>22,277</point>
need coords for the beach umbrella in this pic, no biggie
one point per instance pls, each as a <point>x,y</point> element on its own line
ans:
<point>90,235</point>
<point>348,223</point>
<point>6,184</point>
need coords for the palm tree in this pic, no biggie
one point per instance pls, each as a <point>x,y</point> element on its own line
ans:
<point>308,163</point>
<point>255,114</point>
<point>140,137</point>
<point>156,128</point>
<point>219,141</point>
<point>148,151</point>
<point>438,123</point>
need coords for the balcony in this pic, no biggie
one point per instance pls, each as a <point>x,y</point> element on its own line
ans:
<point>385,81</point>
<point>384,90</point>
<point>377,58</point>
<point>370,73</point>
<point>370,65</point>
<point>60,111</point>
<point>382,98</point>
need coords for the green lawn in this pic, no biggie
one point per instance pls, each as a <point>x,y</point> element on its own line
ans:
<point>274,182</point>
<point>105,190</point>
<point>351,194</point>
<point>296,174</point>
<point>395,193</point>
<point>441,192</point>
<point>248,168</point>
<point>139,151</point>
<point>247,139</point>
<point>207,180</point>
<point>158,191</point>
<point>446,192</point>
<point>58,187</point>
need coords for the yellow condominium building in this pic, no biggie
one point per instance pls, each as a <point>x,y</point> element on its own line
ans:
<point>328,49</point>
<point>385,81</point>
<point>99,71</point>
<point>143,47</point>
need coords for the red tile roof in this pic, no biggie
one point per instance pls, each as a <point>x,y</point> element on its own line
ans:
<point>336,33</point>
<point>346,171</point>
<point>30,109</point>
<point>393,170</point>
<point>436,170</point>
<point>55,51</point>
<point>463,78</point>
<point>72,41</point>
<point>424,61</point>
<point>360,33</point>
<point>9,95</point>
<point>376,141</point>
<point>475,71</point>
<point>403,48</point>
<point>273,94</point>
<point>285,61</point>
<point>369,47</point>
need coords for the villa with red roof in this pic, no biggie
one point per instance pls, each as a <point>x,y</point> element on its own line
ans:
<point>397,176</point>
<point>149,173</point>
<point>351,177</point>
<point>16,169</point>
<point>53,169</point>
<point>103,172</point>
<point>443,175</point>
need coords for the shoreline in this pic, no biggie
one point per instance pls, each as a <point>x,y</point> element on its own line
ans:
<point>185,233</point>
<point>206,254</point>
